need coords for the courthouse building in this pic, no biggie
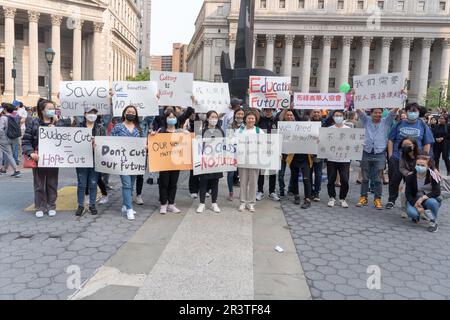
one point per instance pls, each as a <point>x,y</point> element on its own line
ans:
<point>92,39</point>
<point>323,43</point>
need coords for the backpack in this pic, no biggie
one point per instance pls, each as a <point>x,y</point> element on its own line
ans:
<point>13,129</point>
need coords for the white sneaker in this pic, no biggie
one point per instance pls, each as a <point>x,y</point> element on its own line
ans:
<point>259,196</point>
<point>242,207</point>
<point>208,195</point>
<point>215,208</point>
<point>130,214</point>
<point>194,195</point>
<point>201,208</point>
<point>39,214</point>
<point>124,209</point>
<point>163,209</point>
<point>172,208</point>
<point>251,207</point>
<point>274,196</point>
<point>404,215</point>
<point>344,204</point>
<point>51,213</point>
<point>332,202</point>
<point>138,200</point>
<point>103,200</point>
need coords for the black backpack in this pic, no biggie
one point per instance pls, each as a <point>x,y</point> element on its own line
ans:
<point>13,130</point>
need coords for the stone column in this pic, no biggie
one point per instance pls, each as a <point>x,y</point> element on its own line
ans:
<point>307,52</point>
<point>56,46</point>
<point>33,19</point>
<point>288,52</point>
<point>76,63</point>
<point>232,48</point>
<point>424,69</point>
<point>385,54</point>
<point>97,47</point>
<point>345,62</point>
<point>255,39</point>
<point>325,69</point>
<point>9,14</point>
<point>365,55</point>
<point>406,52</point>
<point>207,48</point>
<point>445,63</point>
<point>270,48</point>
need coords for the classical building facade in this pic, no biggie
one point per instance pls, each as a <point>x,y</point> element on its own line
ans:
<point>92,39</point>
<point>323,43</point>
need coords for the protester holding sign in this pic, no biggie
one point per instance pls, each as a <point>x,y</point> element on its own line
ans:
<point>45,180</point>
<point>234,125</point>
<point>317,165</point>
<point>129,127</point>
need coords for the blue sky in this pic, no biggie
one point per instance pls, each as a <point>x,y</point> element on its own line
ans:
<point>172,21</point>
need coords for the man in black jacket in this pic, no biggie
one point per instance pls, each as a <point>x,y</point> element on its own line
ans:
<point>441,133</point>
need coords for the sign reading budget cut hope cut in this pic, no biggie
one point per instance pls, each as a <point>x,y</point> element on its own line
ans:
<point>341,144</point>
<point>378,91</point>
<point>75,96</point>
<point>299,137</point>
<point>65,147</point>
<point>258,151</point>
<point>121,155</point>
<point>213,155</point>
<point>270,92</point>
<point>211,96</point>
<point>175,88</point>
<point>141,94</point>
<point>326,101</point>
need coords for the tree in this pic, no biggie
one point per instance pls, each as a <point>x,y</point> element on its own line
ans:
<point>435,93</point>
<point>141,76</point>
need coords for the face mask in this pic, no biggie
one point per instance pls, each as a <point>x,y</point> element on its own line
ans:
<point>213,122</point>
<point>421,169</point>
<point>413,116</point>
<point>338,120</point>
<point>172,121</point>
<point>91,117</point>
<point>130,117</point>
<point>408,149</point>
<point>50,113</point>
<point>202,116</point>
<point>239,120</point>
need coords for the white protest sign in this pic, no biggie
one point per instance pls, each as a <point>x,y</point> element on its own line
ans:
<point>61,147</point>
<point>340,144</point>
<point>75,96</point>
<point>211,96</point>
<point>141,94</point>
<point>259,151</point>
<point>270,92</point>
<point>299,137</point>
<point>325,101</point>
<point>121,155</point>
<point>378,91</point>
<point>213,155</point>
<point>175,88</point>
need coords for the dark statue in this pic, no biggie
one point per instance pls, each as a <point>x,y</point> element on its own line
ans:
<point>238,78</point>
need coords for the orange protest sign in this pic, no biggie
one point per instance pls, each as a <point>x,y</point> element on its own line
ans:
<point>170,152</point>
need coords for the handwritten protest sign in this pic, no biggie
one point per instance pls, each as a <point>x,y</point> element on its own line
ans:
<point>141,94</point>
<point>170,152</point>
<point>378,91</point>
<point>65,147</point>
<point>211,96</point>
<point>76,95</point>
<point>258,151</point>
<point>325,101</point>
<point>299,137</point>
<point>175,88</point>
<point>213,155</point>
<point>270,92</point>
<point>121,155</point>
<point>341,144</point>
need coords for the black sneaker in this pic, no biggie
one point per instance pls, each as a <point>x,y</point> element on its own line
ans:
<point>297,200</point>
<point>150,181</point>
<point>282,193</point>
<point>17,174</point>
<point>390,205</point>
<point>306,205</point>
<point>433,227</point>
<point>290,193</point>
<point>93,210</point>
<point>80,211</point>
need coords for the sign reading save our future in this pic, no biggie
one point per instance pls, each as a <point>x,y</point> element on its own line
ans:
<point>75,96</point>
<point>270,92</point>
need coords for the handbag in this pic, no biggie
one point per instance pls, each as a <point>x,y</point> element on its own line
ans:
<point>29,163</point>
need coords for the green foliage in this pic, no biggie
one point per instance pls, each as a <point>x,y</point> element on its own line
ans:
<point>141,76</point>
<point>433,94</point>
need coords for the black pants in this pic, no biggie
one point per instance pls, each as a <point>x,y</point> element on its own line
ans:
<point>395,178</point>
<point>272,183</point>
<point>344,172</point>
<point>306,173</point>
<point>438,150</point>
<point>168,181</point>
<point>139,184</point>
<point>209,184</point>
<point>194,183</point>
<point>100,183</point>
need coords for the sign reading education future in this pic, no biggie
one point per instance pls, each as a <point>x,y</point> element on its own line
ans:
<point>61,147</point>
<point>213,155</point>
<point>175,88</point>
<point>141,94</point>
<point>378,91</point>
<point>299,137</point>
<point>325,101</point>
<point>270,92</point>
<point>211,96</point>
<point>74,96</point>
<point>341,144</point>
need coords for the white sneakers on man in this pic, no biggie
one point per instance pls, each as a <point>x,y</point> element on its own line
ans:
<point>163,209</point>
<point>344,204</point>
<point>242,207</point>
<point>332,202</point>
<point>51,213</point>
<point>251,207</point>
<point>125,210</point>
<point>103,200</point>
<point>201,208</point>
<point>215,208</point>
<point>130,214</point>
<point>39,214</point>
<point>194,196</point>
<point>273,196</point>
<point>138,200</point>
<point>172,208</point>
<point>259,196</point>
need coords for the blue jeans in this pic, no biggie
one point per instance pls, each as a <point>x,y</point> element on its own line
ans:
<point>281,175</point>
<point>16,152</point>
<point>87,177</point>
<point>230,177</point>
<point>371,167</point>
<point>127,190</point>
<point>316,182</point>
<point>431,204</point>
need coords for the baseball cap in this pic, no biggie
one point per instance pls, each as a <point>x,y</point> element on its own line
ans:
<point>236,102</point>
<point>90,109</point>
<point>17,103</point>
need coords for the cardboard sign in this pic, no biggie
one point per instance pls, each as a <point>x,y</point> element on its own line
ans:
<point>141,94</point>
<point>270,92</point>
<point>213,155</point>
<point>121,155</point>
<point>74,96</point>
<point>321,101</point>
<point>170,152</point>
<point>65,147</point>
<point>378,91</point>
<point>341,144</point>
<point>299,137</point>
<point>259,151</point>
<point>175,88</point>
<point>211,96</point>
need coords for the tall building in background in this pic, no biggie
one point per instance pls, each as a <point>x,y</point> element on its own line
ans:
<point>144,35</point>
<point>161,63</point>
<point>179,57</point>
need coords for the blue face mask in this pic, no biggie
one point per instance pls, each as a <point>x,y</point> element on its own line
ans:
<point>50,113</point>
<point>413,116</point>
<point>171,121</point>
<point>421,170</point>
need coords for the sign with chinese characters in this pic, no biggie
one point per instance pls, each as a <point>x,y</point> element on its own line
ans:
<point>259,151</point>
<point>141,94</point>
<point>75,96</point>
<point>341,144</point>
<point>175,88</point>
<point>213,155</point>
<point>299,137</point>
<point>270,92</point>
<point>378,91</point>
<point>322,101</point>
<point>211,96</point>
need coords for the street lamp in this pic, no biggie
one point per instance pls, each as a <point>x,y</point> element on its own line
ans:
<point>49,56</point>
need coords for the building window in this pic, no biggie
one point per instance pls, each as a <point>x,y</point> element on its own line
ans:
<point>421,6</point>
<point>41,35</point>
<point>301,4</point>
<point>18,28</point>
<point>313,82</point>
<point>442,5</point>
<point>391,66</point>
<point>262,4</point>
<point>332,83</point>
<point>296,62</point>
<point>260,61</point>
<point>371,64</point>
<point>41,81</point>
<point>217,78</point>
<point>340,5</point>
<point>282,4</point>
<point>401,5</point>
<point>334,44</point>
<point>321,4</point>
<point>220,10</point>
<point>373,45</point>
<point>294,81</point>
<point>217,61</point>
<point>360,5</point>
<point>333,63</point>
<point>316,44</point>
<point>381,5</point>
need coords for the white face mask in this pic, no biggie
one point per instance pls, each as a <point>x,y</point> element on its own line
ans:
<point>338,120</point>
<point>213,122</point>
<point>91,117</point>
